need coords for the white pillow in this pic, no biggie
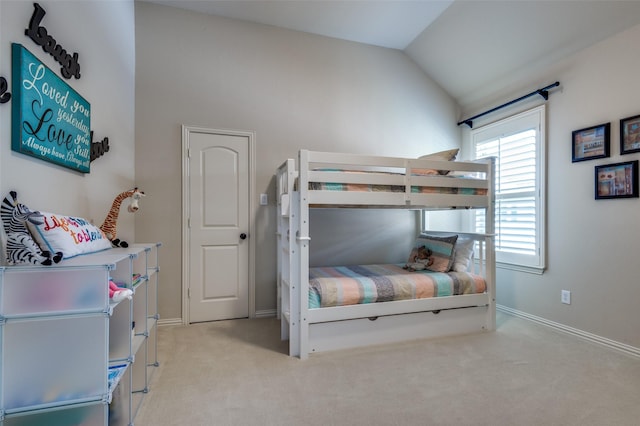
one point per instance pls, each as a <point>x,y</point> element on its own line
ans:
<point>463,255</point>
<point>448,155</point>
<point>70,235</point>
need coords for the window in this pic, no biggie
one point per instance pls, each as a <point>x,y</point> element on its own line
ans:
<point>518,143</point>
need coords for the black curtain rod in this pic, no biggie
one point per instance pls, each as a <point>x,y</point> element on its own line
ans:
<point>544,92</point>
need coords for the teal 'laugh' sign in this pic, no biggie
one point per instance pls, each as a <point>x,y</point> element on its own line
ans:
<point>51,121</point>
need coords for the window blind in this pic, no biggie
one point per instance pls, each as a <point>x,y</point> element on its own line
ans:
<point>516,144</point>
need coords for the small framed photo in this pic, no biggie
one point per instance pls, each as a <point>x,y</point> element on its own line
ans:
<point>591,143</point>
<point>630,135</point>
<point>618,180</point>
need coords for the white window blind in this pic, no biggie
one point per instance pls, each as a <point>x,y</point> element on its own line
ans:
<point>517,143</point>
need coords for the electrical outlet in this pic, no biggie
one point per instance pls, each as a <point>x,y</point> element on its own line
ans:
<point>565,297</point>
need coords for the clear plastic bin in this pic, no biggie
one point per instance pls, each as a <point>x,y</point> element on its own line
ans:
<point>91,414</point>
<point>38,291</point>
<point>53,360</point>
<point>120,328</point>
<point>120,408</point>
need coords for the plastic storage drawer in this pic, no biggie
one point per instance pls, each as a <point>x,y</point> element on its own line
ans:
<point>41,291</point>
<point>91,414</point>
<point>52,360</point>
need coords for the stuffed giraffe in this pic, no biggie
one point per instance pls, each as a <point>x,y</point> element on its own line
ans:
<point>110,222</point>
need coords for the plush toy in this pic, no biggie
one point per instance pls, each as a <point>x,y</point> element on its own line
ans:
<point>110,222</point>
<point>419,259</point>
<point>118,294</point>
<point>20,245</point>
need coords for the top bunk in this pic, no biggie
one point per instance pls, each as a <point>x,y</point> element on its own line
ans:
<point>332,180</point>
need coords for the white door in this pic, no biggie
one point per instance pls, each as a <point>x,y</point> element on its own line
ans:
<point>217,219</point>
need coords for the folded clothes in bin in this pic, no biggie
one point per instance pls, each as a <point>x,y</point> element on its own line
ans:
<point>115,374</point>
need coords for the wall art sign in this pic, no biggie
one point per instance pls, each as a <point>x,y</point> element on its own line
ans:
<point>590,143</point>
<point>4,95</point>
<point>40,35</point>
<point>98,149</point>
<point>50,120</point>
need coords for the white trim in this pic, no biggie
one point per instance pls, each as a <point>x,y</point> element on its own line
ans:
<point>251,136</point>
<point>520,268</point>
<point>611,344</point>
<point>170,321</point>
<point>266,313</point>
<point>185,224</point>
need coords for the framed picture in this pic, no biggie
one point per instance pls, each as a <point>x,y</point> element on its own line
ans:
<point>49,120</point>
<point>618,180</point>
<point>630,135</point>
<point>590,143</point>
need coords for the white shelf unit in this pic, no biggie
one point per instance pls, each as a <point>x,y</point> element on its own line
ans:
<point>60,338</point>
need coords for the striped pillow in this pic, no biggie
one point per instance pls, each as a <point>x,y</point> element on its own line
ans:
<point>442,249</point>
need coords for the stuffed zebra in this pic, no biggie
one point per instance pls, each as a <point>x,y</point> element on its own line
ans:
<point>20,246</point>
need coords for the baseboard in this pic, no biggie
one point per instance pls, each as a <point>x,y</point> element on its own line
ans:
<point>267,313</point>
<point>169,321</point>
<point>612,344</point>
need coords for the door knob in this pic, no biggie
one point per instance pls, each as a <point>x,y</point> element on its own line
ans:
<point>243,236</point>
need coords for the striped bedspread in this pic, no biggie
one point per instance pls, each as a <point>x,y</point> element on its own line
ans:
<point>351,285</point>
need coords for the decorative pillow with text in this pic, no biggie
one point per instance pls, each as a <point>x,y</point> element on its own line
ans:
<point>72,236</point>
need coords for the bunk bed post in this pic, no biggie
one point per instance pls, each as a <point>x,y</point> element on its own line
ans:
<point>490,230</point>
<point>303,239</point>
<point>279,243</point>
<point>295,298</point>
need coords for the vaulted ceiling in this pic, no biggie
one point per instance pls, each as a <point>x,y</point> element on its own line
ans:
<point>469,47</point>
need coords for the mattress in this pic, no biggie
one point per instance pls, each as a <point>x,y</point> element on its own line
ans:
<point>358,187</point>
<point>357,284</point>
<point>364,187</point>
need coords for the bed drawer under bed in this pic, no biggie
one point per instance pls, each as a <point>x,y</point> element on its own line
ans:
<point>335,335</point>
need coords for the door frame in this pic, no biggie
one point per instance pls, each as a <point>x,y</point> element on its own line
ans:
<point>186,130</point>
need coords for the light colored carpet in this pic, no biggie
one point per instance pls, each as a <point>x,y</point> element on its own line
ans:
<point>237,373</point>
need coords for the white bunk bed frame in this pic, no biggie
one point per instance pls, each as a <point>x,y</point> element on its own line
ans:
<point>324,329</point>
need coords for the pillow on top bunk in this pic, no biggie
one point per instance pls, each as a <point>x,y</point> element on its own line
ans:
<point>442,249</point>
<point>448,155</point>
<point>463,255</point>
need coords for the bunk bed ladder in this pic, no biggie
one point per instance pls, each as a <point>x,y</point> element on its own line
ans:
<point>286,272</point>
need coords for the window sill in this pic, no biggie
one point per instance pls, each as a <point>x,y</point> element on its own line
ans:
<point>538,270</point>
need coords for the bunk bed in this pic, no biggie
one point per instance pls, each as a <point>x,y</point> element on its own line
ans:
<point>338,180</point>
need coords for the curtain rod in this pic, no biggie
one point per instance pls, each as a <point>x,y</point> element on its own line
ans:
<point>544,92</point>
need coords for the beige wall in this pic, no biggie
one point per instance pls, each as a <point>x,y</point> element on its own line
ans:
<point>592,245</point>
<point>102,33</point>
<point>294,90</point>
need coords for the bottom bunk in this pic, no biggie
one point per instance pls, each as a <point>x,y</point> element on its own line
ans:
<point>362,284</point>
<point>359,305</point>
